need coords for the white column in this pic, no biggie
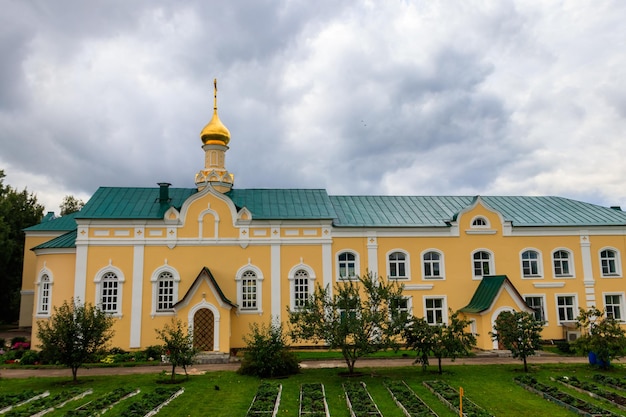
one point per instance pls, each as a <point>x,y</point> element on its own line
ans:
<point>327,266</point>
<point>275,281</point>
<point>137,297</point>
<point>372,253</point>
<point>80,279</point>
<point>588,279</point>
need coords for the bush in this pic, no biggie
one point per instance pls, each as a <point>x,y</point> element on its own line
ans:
<point>3,342</point>
<point>30,357</point>
<point>18,339</point>
<point>267,353</point>
<point>563,346</point>
<point>154,352</point>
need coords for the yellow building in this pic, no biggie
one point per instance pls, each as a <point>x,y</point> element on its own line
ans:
<point>220,258</point>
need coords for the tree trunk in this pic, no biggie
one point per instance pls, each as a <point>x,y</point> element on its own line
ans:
<point>525,365</point>
<point>173,373</point>
<point>74,373</point>
<point>440,369</point>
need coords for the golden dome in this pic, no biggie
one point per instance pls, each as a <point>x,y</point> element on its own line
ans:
<point>215,132</point>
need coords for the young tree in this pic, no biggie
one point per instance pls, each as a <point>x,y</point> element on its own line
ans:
<point>18,210</point>
<point>70,204</point>
<point>267,354</point>
<point>449,340</point>
<point>74,333</point>
<point>178,345</point>
<point>519,332</point>
<point>360,317</point>
<point>601,334</point>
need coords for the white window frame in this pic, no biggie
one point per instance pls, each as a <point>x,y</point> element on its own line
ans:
<point>100,276</point>
<point>570,263</point>
<point>490,262</point>
<point>476,221</point>
<point>442,271</point>
<point>620,305</point>
<point>443,308</point>
<point>544,310</point>
<point>617,263</point>
<point>409,306</point>
<point>240,278</point>
<point>154,279</point>
<point>41,312</point>
<point>574,307</point>
<point>293,281</point>
<point>356,265</point>
<point>537,261</point>
<point>407,265</point>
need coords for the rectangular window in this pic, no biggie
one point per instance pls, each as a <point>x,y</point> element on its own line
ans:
<point>537,304</point>
<point>561,264</point>
<point>434,310</point>
<point>566,307</point>
<point>109,296</point>
<point>301,292</point>
<point>166,294</point>
<point>613,306</point>
<point>248,294</point>
<point>399,306</point>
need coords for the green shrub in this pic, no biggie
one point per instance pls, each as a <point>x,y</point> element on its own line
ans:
<point>18,339</point>
<point>30,357</point>
<point>563,346</point>
<point>267,353</point>
<point>154,352</point>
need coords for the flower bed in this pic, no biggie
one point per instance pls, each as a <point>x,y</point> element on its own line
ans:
<point>8,401</point>
<point>100,405</point>
<point>450,397</point>
<point>617,383</point>
<point>48,403</point>
<point>561,398</point>
<point>265,401</point>
<point>594,391</point>
<point>313,401</point>
<point>151,403</point>
<point>360,402</point>
<point>407,400</point>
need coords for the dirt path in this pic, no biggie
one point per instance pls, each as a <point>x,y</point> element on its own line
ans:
<point>363,363</point>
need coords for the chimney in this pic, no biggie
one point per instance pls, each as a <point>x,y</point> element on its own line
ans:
<point>164,193</point>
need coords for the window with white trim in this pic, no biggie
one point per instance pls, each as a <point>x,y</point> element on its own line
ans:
<point>435,310</point>
<point>249,291</point>
<point>432,265</point>
<point>347,265</point>
<point>538,304</point>
<point>614,306</point>
<point>109,293</point>
<point>566,308</point>
<point>43,304</point>
<point>165,291</point>
<point>561,259</point>
<point>400,305</point>
<point>482,263</point>
<point>348,307</point>
<point>610,264</point>
<point>531,264</point>
<point>301,288</point>
<point>480,222</point>
<point>398,265</point>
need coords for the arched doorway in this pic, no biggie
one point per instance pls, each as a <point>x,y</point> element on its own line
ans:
<point>496,343</point>
<point>203,330</point>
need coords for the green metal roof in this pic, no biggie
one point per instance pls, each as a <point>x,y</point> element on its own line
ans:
<point>284,204</point>
<point>485,293</point>
<point>132,203</point>
<point>438,211</point>
<point>55,224</point>
<point>67,240</point>
<point>193,287</point>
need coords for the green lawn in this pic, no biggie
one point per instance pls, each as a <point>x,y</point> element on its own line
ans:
<point>227,394</point>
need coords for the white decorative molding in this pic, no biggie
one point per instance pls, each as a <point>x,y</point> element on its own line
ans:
<point>548,284</point>
<point>418,287</point>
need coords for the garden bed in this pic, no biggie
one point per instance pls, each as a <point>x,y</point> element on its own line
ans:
<point>265,401</point>
<point>102,404</point>
<point>151,403</point>
<point>451,398</point>
<point>9,401</point>
<point>359,400</point>
<point>410,404</point>
<point>577,405</point>
<point>313,401</point>
<point>616,383</point>
<point>47,404</point>
<point>593,391</point>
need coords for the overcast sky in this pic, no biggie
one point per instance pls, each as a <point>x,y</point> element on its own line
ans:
<point>453,97</point>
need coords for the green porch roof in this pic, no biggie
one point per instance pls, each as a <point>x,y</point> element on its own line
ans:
<point>55,224</point>
<point>67,240</point>
<point>485,293</point>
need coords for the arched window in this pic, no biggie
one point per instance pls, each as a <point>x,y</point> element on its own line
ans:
<point>432,265</point>
<point>562,261</point>
<point>347,265</point>
<point>249,291</point>
<point>43,304</point>
<point>531,264</point>
<point>482,263</point>
<point>610,263</point>
<point>480,222</point>
<point>165,291</point>
<point>398,265</point>
<point>109,293</point>
<point>301,288</point>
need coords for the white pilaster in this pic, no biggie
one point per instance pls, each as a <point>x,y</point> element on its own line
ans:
<point>275,282</point>
<point>327,266</point>
<point>372,253</point>
<point>137,297</point>
<point>80,281</point>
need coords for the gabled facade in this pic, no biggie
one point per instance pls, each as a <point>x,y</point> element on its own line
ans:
<point>220,258</point>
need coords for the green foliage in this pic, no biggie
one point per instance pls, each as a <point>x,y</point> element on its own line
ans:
<point>18,210</point>
<point>267,353</point>
<point>71,204</point>
<point>29,357</point>
<point>177,345</point>
<point>520,332</point>
<point>74,333</point>
<point>601,335</point>
<point>449,340</point>
<point>357,317</point>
